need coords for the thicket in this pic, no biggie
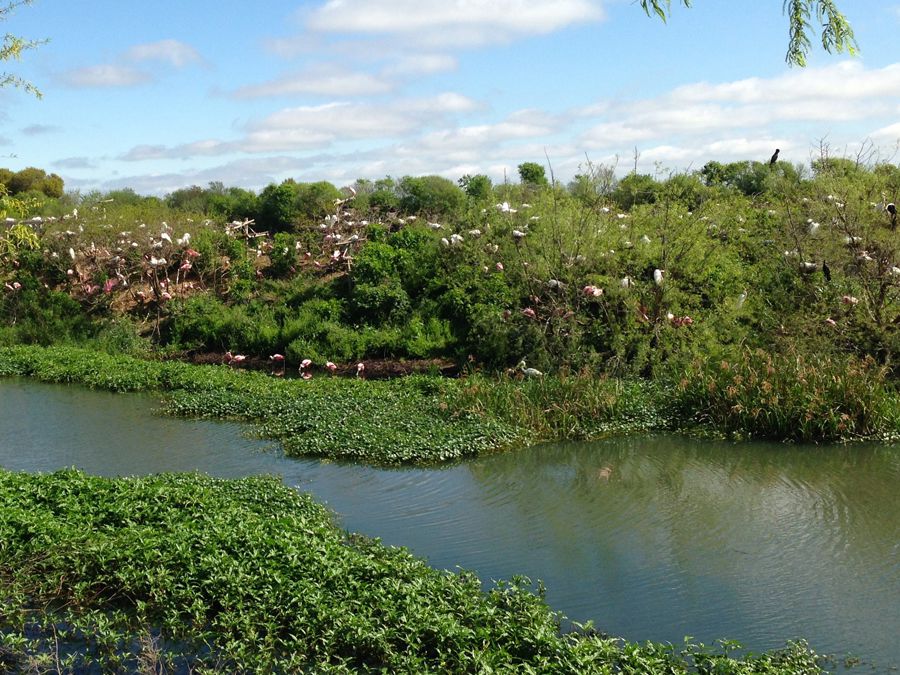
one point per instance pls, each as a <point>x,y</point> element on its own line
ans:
<point>186,573</point>
<point>638,277</point>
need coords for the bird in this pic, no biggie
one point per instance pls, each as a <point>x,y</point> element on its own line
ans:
<point>826,270</point>
<point>330,366</point>
<point>528,372</point>
<point>277,357</point>
<point>890,208</point>
<point>658,277</point>
<point>774,157</point>
<point>361,369</point>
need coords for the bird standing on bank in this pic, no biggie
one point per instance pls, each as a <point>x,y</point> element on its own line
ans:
<point>528,372</point>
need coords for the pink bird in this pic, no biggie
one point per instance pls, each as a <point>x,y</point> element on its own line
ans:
<point>360,369</point>
<point>277,357</point>
<point>234,358</point>
<point>330,366</point>
<point>109,285</point>
<point>592,291</point>
<point>305,363</point>
<point>529,313</point>
<point>191,253</point>
<point>499,266</point>
<point>307,376</point>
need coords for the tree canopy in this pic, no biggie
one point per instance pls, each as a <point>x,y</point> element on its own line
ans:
<point>837,35</point>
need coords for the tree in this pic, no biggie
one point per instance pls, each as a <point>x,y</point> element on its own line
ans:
<point>837,35</point>
<point>532,173</point>
<point>478,187</point>
<point>12,48</point>
<point>434,196</point>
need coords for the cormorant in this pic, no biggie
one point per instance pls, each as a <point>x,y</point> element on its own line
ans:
<point>826,271</point>
<point>890,208</point>
<point>774,157</point>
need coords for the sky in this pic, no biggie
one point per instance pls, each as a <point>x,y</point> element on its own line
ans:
<point>163,94</point>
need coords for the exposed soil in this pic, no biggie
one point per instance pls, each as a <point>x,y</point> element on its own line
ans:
<point>375,369</point>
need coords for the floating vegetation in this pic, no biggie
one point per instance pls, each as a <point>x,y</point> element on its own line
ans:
<point>190,573</point>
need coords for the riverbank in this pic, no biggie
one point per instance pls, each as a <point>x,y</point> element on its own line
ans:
<point>185,571</point>
<point>430,419</point>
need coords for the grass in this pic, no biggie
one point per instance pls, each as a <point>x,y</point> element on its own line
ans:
<point>190,573</point>
<point>429,419</point>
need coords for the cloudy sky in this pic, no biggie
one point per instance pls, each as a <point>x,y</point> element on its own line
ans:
<point>162,94</point>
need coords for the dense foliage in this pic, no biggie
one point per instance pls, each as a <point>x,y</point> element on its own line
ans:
<point>634,277</point>
<point>189,573</point>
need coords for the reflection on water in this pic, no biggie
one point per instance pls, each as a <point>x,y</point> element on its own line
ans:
<point>653,538</point>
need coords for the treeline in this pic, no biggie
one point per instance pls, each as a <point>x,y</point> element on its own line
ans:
<point>632,276</point>
<point>281,207</point>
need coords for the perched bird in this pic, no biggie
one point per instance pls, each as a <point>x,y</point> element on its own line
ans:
<point>360,369</point>
<point>658,277</point>
<point>774,157</point>
<point>330,366</point>
<point>277,357</point>
<point>890,208</point>
<point>826,270</point>
<point>528,372</point>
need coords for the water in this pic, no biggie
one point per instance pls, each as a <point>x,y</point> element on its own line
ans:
<point>653,538</point>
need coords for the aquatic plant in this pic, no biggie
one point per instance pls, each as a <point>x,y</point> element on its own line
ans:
<point>189,573</point>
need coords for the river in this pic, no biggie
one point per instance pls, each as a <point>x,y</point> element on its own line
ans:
<point>654,538</point>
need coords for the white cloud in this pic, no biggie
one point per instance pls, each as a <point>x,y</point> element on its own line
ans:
<point>173,52</point>
<point>74,163</point>
<point>310,127</point>
<point>421,64</point>
<point>888,134</point>
<point>105,76</point>
<point>323,80</point>
<point>113,75</point>
<point>452,22</point>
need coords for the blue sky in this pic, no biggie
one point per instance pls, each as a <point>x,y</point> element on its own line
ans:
<point>161,95</point>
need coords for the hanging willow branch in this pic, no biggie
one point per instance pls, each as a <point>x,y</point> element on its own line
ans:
<point>11,48</point>
<point>837,35</point>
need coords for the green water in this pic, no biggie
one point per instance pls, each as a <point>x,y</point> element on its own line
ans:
<point>653,538</point>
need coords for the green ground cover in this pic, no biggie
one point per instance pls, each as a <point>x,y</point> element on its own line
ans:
<point>190,573</point>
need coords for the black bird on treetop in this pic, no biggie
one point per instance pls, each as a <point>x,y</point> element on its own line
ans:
<point>774,157</point>
<point>826,271</point>
<point>890,208</point>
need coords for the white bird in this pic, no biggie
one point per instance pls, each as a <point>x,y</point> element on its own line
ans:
<point>518,234</point>
<point>658,276</point>
<point>528,372</point>
<point>625,282</point>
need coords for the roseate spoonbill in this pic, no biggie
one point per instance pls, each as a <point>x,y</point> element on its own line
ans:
<point>360,369</point>
<point>277,357</point>
<point>330,366</point>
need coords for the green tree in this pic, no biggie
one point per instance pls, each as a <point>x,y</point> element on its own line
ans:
<point>837,35</point>
<point>316,200</point>
<point>278,207</point>
<point>435,196</point>
<point>478,187</point>
<point>532,173</point>
<point>12,48</point>
<point>29,178</point>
